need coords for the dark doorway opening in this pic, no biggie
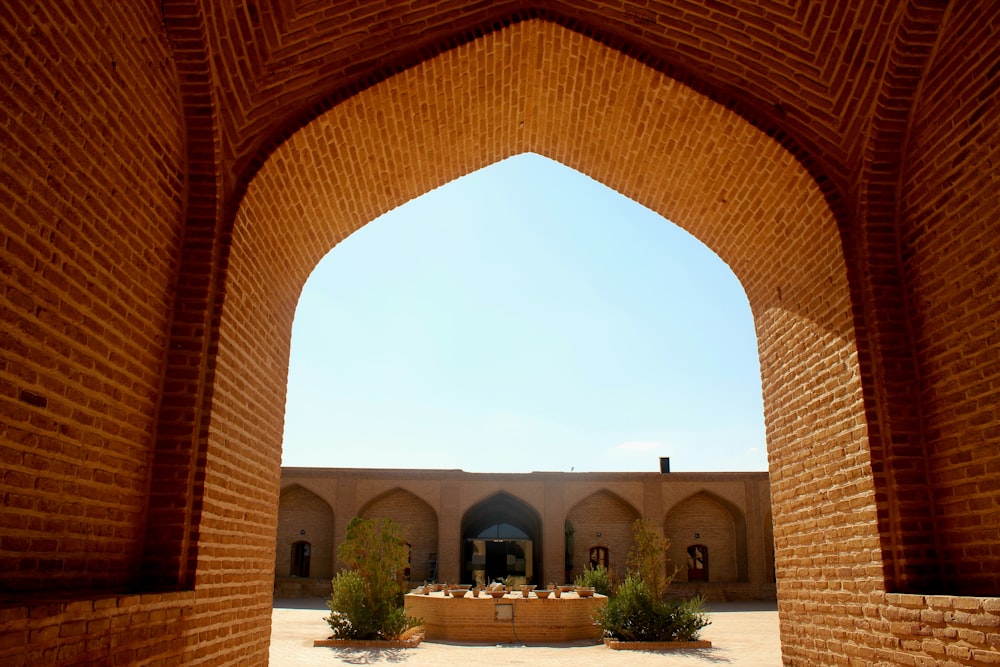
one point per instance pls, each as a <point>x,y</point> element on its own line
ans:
<point>300,559</point>
<point>501,542</point>
<point>502,552</point>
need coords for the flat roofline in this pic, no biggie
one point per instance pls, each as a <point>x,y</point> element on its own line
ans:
<point>297,471</point>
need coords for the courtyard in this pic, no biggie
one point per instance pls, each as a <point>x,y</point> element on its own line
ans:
<point>744,633</point>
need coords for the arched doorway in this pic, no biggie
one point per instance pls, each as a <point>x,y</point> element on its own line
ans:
<point>215,450</point>
<point>699,165</point>
<point>501,540</point>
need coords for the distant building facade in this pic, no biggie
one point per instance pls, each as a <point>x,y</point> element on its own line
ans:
<point>539,527</point>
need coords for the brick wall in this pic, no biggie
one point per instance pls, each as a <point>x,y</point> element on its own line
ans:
<point>716,529</point>
<point>949,213</point>
<point>602,519</point>
<point>304,516</point>
<point>90,178</point>
<point>150,628</point>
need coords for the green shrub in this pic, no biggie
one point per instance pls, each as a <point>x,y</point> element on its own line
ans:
<point>367,599</point>
<point>351,617</point>
<point>647,559</point>
<point>638,614</point>
<point>376,549</point>
<point>597,578</point>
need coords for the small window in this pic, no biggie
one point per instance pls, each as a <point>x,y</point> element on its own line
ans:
<point>300,559</point>
<point>697,562</point>
<point>599,557</point>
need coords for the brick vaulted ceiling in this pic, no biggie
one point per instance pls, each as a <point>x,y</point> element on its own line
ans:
<point>809,73</point>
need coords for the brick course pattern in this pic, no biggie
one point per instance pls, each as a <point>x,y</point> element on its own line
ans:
<point>171,173</point>
<point>704,520</point>
<point>602,519</point>
<point>91,199</point>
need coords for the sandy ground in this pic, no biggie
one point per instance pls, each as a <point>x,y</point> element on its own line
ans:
<point>741,634</point>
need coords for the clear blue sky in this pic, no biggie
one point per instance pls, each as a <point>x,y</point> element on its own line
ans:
<point>524,317</point>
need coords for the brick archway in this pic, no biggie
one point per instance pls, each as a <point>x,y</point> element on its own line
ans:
<point>610,516</point>
<point>418,523</point>
<point>624,124</point>
<point>307,518</point>
<point>716,524</point>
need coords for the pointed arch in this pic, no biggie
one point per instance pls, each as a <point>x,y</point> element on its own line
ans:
<point>304,518</point>
<point>418,522</point>
<point>718,526</point>
<point>632,128</point>
<point>602,520</point>
<point>651,138</point>
<point>501,537</point>
<point>502,508</point>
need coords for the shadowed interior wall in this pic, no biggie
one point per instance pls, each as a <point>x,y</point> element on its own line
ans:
<point>948,227</point>
<point>92,217</point>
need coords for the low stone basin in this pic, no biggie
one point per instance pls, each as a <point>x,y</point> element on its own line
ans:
<point>507,620</point>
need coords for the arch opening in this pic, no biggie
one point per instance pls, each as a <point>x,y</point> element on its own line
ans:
<point>501,540</point>
<point>603,527</point>
<point>698,165</point>
<point>705,522</point>
<point>517,336</point>
<point>304,554</point>
<point>418,523</point>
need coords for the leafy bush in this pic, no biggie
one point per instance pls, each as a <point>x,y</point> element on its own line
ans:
<point>597,578</point>
<point>378,551</point>
<point>367,599</point>
<point>637,614</point>
<point>647,559</point>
